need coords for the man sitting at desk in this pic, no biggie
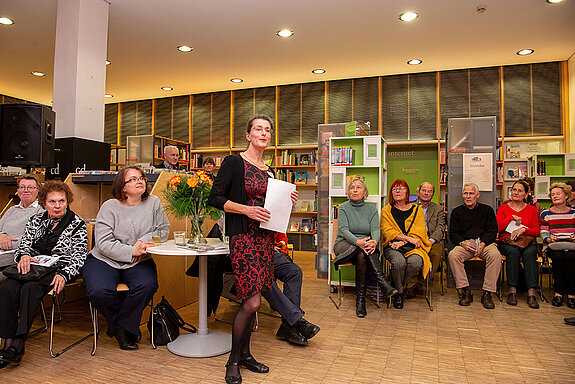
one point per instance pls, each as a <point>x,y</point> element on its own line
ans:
<point>171,157</point>
<point>13,223</point>
<point>294,327</point>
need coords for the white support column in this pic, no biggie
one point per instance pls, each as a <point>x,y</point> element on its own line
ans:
<point>80,68</point>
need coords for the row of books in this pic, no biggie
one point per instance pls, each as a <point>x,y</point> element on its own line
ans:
<point>443,174</point>
<point>303,225</point>
<point>342,155</point>
<point>290,158</point>
<point>295,177</point>
<point>197,160</point>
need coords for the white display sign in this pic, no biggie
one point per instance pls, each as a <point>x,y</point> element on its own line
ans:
<point>478,169</point>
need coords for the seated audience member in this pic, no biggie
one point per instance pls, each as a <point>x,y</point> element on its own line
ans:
<point>294,327</point>
<point>57,232</point>
<point>171,156</point>
<point>124,229</point>
<point>530,198</point>
<point>558,234</point>
<point>435,224</point>
<point>473,230</point>
<point>406,244</point>
<point>209,165</point>
<point>571,185</point>
<point>518,243</point>
<point>14,220</point>
<point>357,242</point>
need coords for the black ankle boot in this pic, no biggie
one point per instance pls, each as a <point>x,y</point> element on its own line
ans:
<point>374,266</point>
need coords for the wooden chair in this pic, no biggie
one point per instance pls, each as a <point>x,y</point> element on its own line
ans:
<point>121,287</point>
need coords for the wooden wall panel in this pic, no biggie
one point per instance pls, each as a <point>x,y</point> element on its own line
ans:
<point>365,102</point>
<point>111,124</point>
<point>244,105</point>
<point>453,96</point>
<point>340,101</point>
<point>221,119</point>
<point>128,121</point>
<point>313,111</point>
<point>163,116</point>
<point>422,106</point>
<point>181,118</point>
<point>517,100</point>
<point>395,106</point>
<point>485,95</point>
<point>144,117</point>
<point>547,99</point>
<point>289,113</point>
<point>201,113</point>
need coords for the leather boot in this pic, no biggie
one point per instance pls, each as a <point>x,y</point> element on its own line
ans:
<point>374,266</point>
<point>360,291</point>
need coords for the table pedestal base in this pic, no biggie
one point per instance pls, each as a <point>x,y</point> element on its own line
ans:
<point>193,345</point>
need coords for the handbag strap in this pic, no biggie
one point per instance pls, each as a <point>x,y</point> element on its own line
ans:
<point>412,221</point>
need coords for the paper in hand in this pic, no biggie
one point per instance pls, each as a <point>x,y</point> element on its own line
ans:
<point>278,202</point>
<point>513,227</point>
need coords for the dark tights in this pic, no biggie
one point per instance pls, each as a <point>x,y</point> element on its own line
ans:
<point>17,342</point>
<point>242,331</point>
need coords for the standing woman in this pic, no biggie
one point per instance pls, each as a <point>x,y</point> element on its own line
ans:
<point>558,234</point>
<point>57,232</point>
<point>239,190</point>
<point>406,243</point>
<point>124,229</point>
<point>524,215</point>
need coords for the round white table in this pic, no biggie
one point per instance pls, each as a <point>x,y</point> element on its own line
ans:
<point>203,343</point>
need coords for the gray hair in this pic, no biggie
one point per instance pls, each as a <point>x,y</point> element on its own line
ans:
<point>475,186</point>
<point>358,179</point>
<point>426,182</point>
<point>170,147</point>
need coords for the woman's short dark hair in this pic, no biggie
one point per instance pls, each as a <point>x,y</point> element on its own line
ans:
<point>119,182</point>
<point>524,183</point>
<point>530,184</point>
<point>209,160</point>
<point>260,117</point>
<point>54,186</point>
<point>571,183</point>
<point>398,183</point>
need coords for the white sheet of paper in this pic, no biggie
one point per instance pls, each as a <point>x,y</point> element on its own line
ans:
<point>513,227</point>
<point>278,202</point>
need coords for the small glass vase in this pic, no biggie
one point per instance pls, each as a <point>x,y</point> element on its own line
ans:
<point>196,231</point>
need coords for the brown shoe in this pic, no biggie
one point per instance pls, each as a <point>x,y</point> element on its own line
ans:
<point>487,301</point>
<point>512,299</point>
<point>465,297</point>
<point>532,302</point>
<point>410,292</point>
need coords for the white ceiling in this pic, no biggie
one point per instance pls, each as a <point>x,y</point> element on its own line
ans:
<point>236,38</point>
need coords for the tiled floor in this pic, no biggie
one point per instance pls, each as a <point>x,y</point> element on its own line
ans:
<point>452,344</point>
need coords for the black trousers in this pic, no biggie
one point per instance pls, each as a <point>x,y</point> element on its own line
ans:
<point>563,271</point>
<point>21,297</point>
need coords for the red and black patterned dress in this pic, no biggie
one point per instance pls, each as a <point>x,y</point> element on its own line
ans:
<point>252,252</point>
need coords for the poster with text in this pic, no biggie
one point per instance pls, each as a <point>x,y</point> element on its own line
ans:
<point>478,169</point>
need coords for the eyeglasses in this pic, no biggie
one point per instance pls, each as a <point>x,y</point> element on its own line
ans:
<point>133,179</point>
<point>398,189</point>
<point>22,188</point>
<point>260,130</point>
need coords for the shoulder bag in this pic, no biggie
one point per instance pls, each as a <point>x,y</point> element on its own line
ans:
<point>37,272</point>
<point>522,242</point>
<point>167,323</point>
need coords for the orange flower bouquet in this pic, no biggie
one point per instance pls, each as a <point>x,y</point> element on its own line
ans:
<point>188,197</point>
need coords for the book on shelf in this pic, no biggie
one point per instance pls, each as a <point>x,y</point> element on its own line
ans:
<point>300,177</point>
<point>294,226</point>
<point>307,225</point>
<point>512,151</point>
<point>342,155</point>
<point>304,206</point>
<point>304,159</point>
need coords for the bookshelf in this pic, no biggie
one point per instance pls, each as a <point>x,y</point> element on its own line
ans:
<point>364,156</point>
<point>549,168</point>
<point>148,149</point>
<point>117,157</point>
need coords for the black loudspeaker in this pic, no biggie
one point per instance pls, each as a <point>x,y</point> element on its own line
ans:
<point>27,137</point>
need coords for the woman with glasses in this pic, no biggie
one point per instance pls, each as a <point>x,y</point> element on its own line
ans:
<point>56,232</point>
<point>14,220</point>
<point>357,242</point>
<point>405,238</point>
<point>240,190</point>
<point>124,229</point>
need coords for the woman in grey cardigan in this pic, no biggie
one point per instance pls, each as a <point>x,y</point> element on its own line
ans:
<point>357,242</point>
<point>124,229</point>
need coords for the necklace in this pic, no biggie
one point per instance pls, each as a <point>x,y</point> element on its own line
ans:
<point>263,167</point>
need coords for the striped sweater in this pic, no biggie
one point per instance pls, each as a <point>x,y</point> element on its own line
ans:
<point>555,224</point>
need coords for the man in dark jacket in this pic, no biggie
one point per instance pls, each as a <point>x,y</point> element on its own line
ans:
<point>473,230</point>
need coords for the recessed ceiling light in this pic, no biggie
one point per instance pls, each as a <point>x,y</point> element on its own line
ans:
<point>285,33</point>
<point>236,80</point>
<point>414,62</point>
<point>167,89</point>
<point>185,48</point>
<point>408,16</point>
<point>6,21</point>
<point>107,95</point>
<point>554,1</point>
<point>318,71</point>
<point>524,52</point>
<point>37,73</point>
<point>108,62</point>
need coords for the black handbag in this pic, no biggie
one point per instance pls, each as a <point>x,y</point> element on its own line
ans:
<point>409,246</point>
<point>167,323</point>
<point>35,273</point>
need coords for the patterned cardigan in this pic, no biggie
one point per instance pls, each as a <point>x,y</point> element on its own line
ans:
<point>72,245</point>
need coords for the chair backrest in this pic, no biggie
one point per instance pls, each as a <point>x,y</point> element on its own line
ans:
<point>335,229</point>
